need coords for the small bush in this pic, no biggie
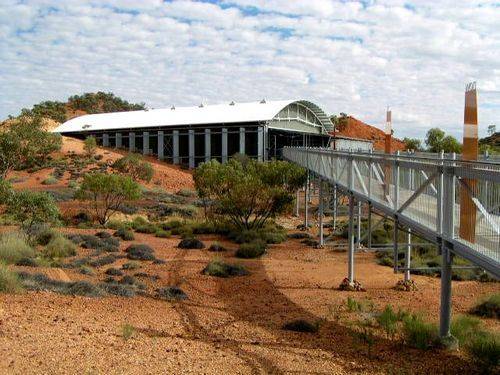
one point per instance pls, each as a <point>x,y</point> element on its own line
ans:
<point>14,247</point>
<point>147,228</point>
<point>9,281</point>
<point>388,321</point>
<point>251,250</point>
<point>125,234</point>
<point>419,334</point>
<point>113,272</point>
<point>301,325</point>
<point>103,235</point>
<point>135,166</point>
<point>171,293</point>
<point>353,305</point>
<point>244,236</point>
<point>489,308</point>
<point>160,233</point>
<point>45,236</point>
<point>102,261</point>
<point>128,331</point>
<point>109,244</point>
<point>50,181</point>
<point>28,262</point>
<point>120,290</point>
<point>128,280</point>
<point>85,270</point>
<point>299,235</point>
<point>191,243</point>
<point>41,282</point>
<point>117,224</point>
<point>186,193</point>
<point>464,327</point>
<point>219,268</point>
<point>140,252</point>
<point>216,247</point>
<point>485,349</point>
<point>60,247</point>
<point>131,266</point>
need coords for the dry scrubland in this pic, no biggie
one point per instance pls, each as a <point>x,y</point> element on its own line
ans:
<point>156,310</point>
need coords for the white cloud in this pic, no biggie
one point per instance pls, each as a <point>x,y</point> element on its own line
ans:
<point>346,56</point>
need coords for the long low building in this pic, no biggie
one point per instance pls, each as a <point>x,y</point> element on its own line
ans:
<point>190,135</point>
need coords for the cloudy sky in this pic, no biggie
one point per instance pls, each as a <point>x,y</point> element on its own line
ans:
<point>348,56</point>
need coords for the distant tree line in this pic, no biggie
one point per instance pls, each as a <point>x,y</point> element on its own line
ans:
<point>99,102</point>
<point>436,140</point>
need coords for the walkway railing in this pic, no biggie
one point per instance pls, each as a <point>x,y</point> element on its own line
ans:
<point>446,200</point>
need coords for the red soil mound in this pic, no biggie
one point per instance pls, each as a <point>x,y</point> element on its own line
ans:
<point>358,129</point>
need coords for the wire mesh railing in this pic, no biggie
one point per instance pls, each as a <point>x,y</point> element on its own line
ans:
<point>444,197</point>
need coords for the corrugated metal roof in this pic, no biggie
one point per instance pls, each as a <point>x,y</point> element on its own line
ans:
<point>198,115</point>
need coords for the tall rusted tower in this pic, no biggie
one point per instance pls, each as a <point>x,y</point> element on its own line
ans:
<point>469,152</point>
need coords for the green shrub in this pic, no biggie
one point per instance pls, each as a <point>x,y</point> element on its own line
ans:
<point>485,349</point>
<point>45,236</point>
<point>488,308</point>
<point>148,228</point>
<point>41,282</point>
<point>219,268</point>
<point>60,247</point>
<point>73,184</point>
<point>90,146</point>
<point>419,334</point>
<point>50,181</point>
<point>216,247</point>
<point>388,320</point>
<point>251,250</point>
<point>191,243</point>
<point>354,305</point>
<point>125,234</point>
<point>163,233</point>
<point>9,281</point>
<point>14,247</point>
<point>302,325</point>
<point>186,193</point>
<point>118,224</point>
<point>128,331</point>
<point>86,270</point>
<point>464,327</point>
<point>131,265</point>
<point>140,252</point>
<point>171,293</point>
<point>135,166</point>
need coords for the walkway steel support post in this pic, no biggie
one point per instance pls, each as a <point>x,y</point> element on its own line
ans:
<point>321,239</point>
<point>350,236</point>
<point>161,145</point>
<point>306,194</point>
<point>407,275</point>
<point>369,226</point>
<point>260,143</point>
<point>395,244</point>
<point>335,207</point>
<point>358,229</point>
<point>447,257</point>
<point>297,202</point>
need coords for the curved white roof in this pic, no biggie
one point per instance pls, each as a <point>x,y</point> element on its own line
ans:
<point>206,114</point>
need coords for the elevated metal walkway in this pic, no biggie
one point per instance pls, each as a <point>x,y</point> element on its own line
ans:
<point>453,203</point>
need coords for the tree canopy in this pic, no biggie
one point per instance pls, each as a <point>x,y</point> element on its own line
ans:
<point>437,141</point>
<point>135,166</point>
<point>413,144</point>
<point>106,193</point>
<point>25,143</point>
<point>246,191</point>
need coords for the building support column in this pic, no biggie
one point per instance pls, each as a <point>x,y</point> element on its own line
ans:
<point>145,143</point>
<point>358,229</point>
<point>175,141</point>
<point>105,140</point>
<point>260,143</point>
<point>335,201</point>
<point>297,202</point>
<point>208,145</point>
<point>131,142</point>
<point>224,145</point>
<point>161,145</point>
<point>242,140</point>
<point>118,142</point>
<point>191,148</point>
